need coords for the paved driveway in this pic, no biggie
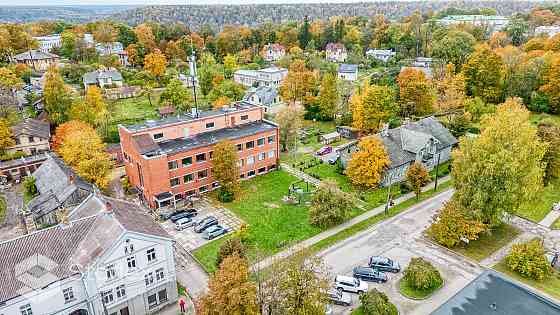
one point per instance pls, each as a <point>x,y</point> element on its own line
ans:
<point>14,204</point>
<point>400,239</point>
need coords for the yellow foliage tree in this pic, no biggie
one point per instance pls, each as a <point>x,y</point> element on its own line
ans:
<point>93,110</point>
<point>372,106</point>
<point>416,94</point>
<point>6,139</point>
<point>299,82</point>
<point>221,102</point>
<point>366,166</point>
<point>155,63</point>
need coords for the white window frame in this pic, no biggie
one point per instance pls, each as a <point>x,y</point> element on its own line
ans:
<point>26,309</point>
<point>151,255</point>
<point>271,154</point>
<point>131,263</point>
<point>149,279</point>
<point>68,294</point>
<point>160,274</point>
<point>110,271</point>
<point>120,291</point>
<point>250,160</point>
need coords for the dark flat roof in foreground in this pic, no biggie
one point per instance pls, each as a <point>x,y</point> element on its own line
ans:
<point>491,293</point>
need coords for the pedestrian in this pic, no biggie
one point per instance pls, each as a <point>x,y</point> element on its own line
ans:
<point>182,305</point>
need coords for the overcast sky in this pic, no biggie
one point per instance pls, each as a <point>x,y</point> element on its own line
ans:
<point>147,2</point>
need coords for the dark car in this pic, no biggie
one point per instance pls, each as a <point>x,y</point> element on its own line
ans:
<point>180,214</point>
<point>369,274</point>
<point>205,223</point>
<point>339,297</point>
<point>384,264</point>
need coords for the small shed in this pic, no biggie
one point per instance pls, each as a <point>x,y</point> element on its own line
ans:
<point>349,132</point>
<point>329,138</point>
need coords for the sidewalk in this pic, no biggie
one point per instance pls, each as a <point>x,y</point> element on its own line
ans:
<point>175,308</point>
<point>550,218</point>
<point>328,233</point>
<point>301,175</point>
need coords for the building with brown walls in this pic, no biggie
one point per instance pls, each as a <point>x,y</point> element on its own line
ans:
<point>170,159</point>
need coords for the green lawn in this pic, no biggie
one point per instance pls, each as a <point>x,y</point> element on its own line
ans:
<point>537,117</point>
<point>273,225</point>
<point>358,311</point>
<point>550,286</point>
<point>556,224</point>
<point>2,209</point>
<point>488,243</point>
<point>537,209</point>
<point>129,111</point>
<point>406,290</point>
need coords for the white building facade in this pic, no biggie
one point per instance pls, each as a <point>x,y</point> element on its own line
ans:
<point>46,43</point>
<point>383,55</point>
<point>272,76</point>
<point>548,30</point>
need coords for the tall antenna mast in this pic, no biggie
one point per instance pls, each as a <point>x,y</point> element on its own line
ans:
<point>193,74</point>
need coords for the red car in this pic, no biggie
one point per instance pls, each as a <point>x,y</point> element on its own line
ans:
<point>324,150</point>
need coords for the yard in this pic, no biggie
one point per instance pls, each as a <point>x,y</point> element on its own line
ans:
<point>488,243</point>
<point>129,111</point>
<point>2,209</point>
<point>538,117</point>
<point>273,224</point>
<point>537,209</point>
<point>550,286</point>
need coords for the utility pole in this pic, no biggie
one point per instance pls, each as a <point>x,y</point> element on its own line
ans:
<point>437,168</point>
<point>193,75</point>
<point>389,195</point>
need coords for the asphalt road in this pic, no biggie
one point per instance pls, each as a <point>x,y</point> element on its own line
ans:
<point>400,239</point>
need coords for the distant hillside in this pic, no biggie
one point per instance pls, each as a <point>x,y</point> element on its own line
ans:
<point>75,14</point>
<point>251,15</point>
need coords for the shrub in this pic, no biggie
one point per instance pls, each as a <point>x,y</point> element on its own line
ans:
<point>421,275</point>
<point>29,186</point>
<point>405,188</point>
<point>225,196</point>
<point>230,247</point>
<point>377,303</point>
<point>243,233</point>
<point>330,205</point>
<point>528,259</point>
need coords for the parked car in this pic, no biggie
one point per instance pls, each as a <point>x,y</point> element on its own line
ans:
<point>180,214</point>
<point>339,297</point>
<point>205,223</point>
<point>350,284</point>
<point>332,160</point>
<point>214,231</point>
<point>183,223</point>
<point>382,263</point>
<point>324,150</point>
<point>369,274</point>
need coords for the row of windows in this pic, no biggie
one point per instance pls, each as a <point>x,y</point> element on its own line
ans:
<point>109,296</point>
<point>202,174</point>
<point>149,277</point>
<point>260,171</point>
<point>188,161</point>
<point>111,270</point>
<point>251,144</point>
<point>250,160</point>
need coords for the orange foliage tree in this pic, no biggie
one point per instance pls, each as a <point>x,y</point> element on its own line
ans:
<point>366,166</point>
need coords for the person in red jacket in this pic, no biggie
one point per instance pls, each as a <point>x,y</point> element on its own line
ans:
<point>182,305</point>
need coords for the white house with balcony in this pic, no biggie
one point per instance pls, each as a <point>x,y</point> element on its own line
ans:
<point>383,55</point>
<point>46,43</point>
<point>272,76</point>
<point>106,256</point>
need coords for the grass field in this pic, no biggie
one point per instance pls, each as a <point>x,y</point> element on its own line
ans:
<point>550,286</point>
<point>129,111</point>
<point>488,243</point>
<point>537,209</point>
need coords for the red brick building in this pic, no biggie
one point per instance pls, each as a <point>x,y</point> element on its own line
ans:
<point>170,159</point>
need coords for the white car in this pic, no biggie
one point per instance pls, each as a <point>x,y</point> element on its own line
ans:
<point>350,284</point>
<point>184,223</point>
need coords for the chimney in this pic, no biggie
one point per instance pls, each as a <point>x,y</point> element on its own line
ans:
<point>108,207</point>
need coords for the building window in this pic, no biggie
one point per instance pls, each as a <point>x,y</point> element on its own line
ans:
<point>262,156</point>
<point>250,160</point>
<point>68,294</point>
<point>17,141</point>
<point>215,185</point>
<point>251,174</point>
<point>250,145</point>
<point>240,147</point>
<point>189,193</point>
<point>211,155</point>
<point>131,263</point>
<point>110,272</point>
<point>120,291</point>
<point>241,162</point>
<point>152,300</point>
<point>244,117</point>
<point>151,254</point>
<point>203,189</point>
<point>174,182</point>
<point>26,309</point>
<point>209,125</point>
<point>160,275</point>
<point>149,278</point>
<point>186,161</point>
<point>242,176</point>
<point>262,170</point>
<point>202,174</point>
<point>271,154</point>
<point>162,295</point>
<point>128,247</point>
<point>272,167</point>
<point>260,142</point>
<point>188,178</point>
<point>158,136</point>
<point>172,165</point>
<point>271,139</point>
<point>201,157</point>
<point>31,139</point>
<point>107,297</point>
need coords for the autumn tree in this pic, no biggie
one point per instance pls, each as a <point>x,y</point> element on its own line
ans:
<point>376,302</point>
<point>552,86</point>
<point>231,246</point>
<point>92,110</point>
<point>450,91</point>
<point>328,97</point>
<point>550,133</point>
<point>299,82</point>
<point>372,106</point>
<point>9,81</point>
<point>6,136</point>
<point>225,167</point>
<point>145,36</point>
<point>329,206</point>
<point>230,290</point>
<point>416,94</point>
<point>417,176</point>
<point>529,260</point>
<point>155,63</point>
<point>454,47</point>
<point>221,102</point>
<point>483,74</point>
<point>56,96</point>
<point>289,120</point>
<point>104,33</point>
<point>230,65</point>
<point>502,168</point>
<point>367,165</point>
<point>176,94</point>
<point>68,44</point>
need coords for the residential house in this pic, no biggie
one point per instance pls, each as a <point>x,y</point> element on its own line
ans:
<point>15,170</point>
<point>37,60</point>
<point>493,22</point>
<point>170,159</point>
<point>493,293</point>
<point>107,257</point>
<point>272,76</point>
<point>105,49</point>
<point>266,96</point>
<point>423,64</point>
<point>103,78</point>
<point>336,52</point>
<point>46,43</point>
<point>383,55</point>
<point>547,30</point>
<point>273,52</point>
<point>123,58</point>
<point>31,137</point>
<point>59,188</point>
<point>348,72</point>
<point>426,141</point>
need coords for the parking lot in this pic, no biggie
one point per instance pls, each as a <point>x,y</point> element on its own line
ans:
<point>191,240</point>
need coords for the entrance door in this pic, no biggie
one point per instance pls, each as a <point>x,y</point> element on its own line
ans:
<point>124,311</point>
<point>232,121</point>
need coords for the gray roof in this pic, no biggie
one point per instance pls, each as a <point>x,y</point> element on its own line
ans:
<point>91,232</point>
<point>347,68</point>
<point>55,182</point>
<point>208,138</point>
<point>492,293</point>
<point>94,76</point>
<point>266,94</point>
<point>33,127</point>
<point>35,55</point>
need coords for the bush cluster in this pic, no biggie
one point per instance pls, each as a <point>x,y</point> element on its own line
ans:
<point>421,275</point>
<point>377,303</point>
<point>230,247</point>
<point>528,259</point>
